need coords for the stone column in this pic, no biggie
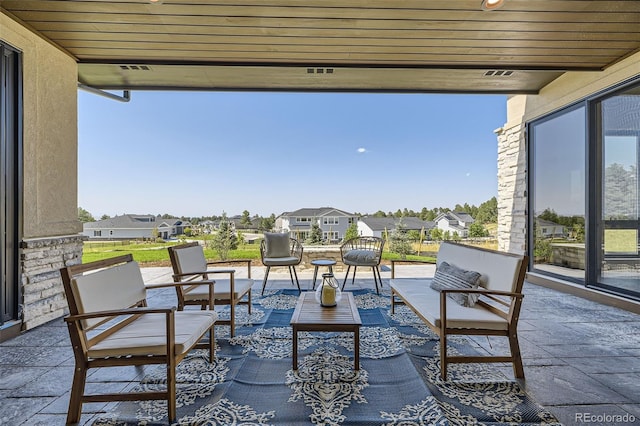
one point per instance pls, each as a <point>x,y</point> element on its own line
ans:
<point>42,292</point>
<point>512,189</point>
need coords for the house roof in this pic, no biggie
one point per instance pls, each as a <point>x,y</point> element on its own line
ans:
<point>389,223</point>
<point>542,222</point>
<point>317,212</point>
<point>133,221</point>
<point>334,45</point>
<point>463,216</point>
<point>455,216</point>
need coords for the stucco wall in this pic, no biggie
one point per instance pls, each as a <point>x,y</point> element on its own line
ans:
<point>512,173</point>
<point>50,238</point>
<point>50,134</point>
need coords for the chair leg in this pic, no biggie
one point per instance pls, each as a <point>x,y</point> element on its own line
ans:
<point>171,389</point>
<point>232,313</point>
<point>293,268</point>
<point>346,276</point>
<point>212,345</point>
<point>443,356</point>
<point>264,281</point>
<point>77,391</point>
<point>353,279</point>
<point>375,279</point>
<point>518,370</point>
<point>249,301</point>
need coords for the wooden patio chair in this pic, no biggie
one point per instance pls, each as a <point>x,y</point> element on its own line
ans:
<point>110,325</point>
<point>189,264</point>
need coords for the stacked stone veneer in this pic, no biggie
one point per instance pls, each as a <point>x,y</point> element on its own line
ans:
<point>42,292</point>
<point>512,189</point>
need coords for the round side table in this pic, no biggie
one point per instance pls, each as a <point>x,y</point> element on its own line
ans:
<point>321,262</point>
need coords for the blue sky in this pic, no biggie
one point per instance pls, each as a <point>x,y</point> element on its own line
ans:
<point>205,153</point>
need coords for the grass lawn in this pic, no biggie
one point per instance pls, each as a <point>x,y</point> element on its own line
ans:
<point>156,254</point>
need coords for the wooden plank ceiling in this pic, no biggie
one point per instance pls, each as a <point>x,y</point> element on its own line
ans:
<point>341,45</point>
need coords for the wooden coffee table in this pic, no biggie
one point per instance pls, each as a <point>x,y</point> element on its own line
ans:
<point>310,316</point>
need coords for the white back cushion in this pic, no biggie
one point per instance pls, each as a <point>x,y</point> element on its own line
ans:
<point>499,271</point>
<point>191,259</point>
<point>117,287</point>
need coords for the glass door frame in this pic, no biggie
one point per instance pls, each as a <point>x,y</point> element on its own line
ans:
<point>11,186</point>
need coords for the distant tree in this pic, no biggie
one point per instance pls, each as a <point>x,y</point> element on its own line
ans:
<point>105,217</point>
<point>188,231</point>
<point>246,218</point>
<point>166,216</point>
<point>455,236</point>
<point>549,214</point>
<point>351,232</point>
<point>436,234</point>
<point>477,230</point>
<point>379,213</point>
<point>620,200</point>
<point>446,236</point>
<point>488,211</point>
<point>578,232</point>
<point>400,240</point>
<point>224,239</point>
<point>315,235</point>
<point>413,235</point>
<point>84,216</point>
<point>265,224</point>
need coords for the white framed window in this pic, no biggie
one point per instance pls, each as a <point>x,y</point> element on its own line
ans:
<point>303,219</point>
<point>97,233</point>
<point>330,235</point>
<point>330,221</point>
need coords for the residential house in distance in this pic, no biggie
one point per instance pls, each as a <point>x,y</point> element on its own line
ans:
<point>548,229</point>
<point>455,222</point>
<point>333,222</point>
<point>370,226</point>
<point>134,226</point>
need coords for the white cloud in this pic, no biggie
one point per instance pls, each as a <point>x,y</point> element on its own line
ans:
<point>362,150</point>
<point>468,174</point>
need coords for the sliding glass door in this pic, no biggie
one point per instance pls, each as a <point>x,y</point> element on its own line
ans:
<point>584,192</point>
<point>618,265</point>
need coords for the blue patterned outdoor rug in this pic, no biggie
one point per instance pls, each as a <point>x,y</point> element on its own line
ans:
<point>252,381</point>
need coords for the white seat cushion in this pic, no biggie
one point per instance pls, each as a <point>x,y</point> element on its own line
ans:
<point>221,289</point>
<point>426,301</point>
<point>147,335</point>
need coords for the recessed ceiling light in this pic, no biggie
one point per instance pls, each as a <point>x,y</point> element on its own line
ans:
<point>491,4</point>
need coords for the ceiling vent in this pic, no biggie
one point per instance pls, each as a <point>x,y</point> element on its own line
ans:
<point>319,70</point>
<point>136,67</point>
<point>498,73</point>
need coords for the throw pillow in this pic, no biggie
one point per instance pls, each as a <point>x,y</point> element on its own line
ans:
<point>276,244</point>
<point>451,277</point>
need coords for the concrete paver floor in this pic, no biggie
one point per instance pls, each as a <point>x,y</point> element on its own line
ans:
<point>581,358</point>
